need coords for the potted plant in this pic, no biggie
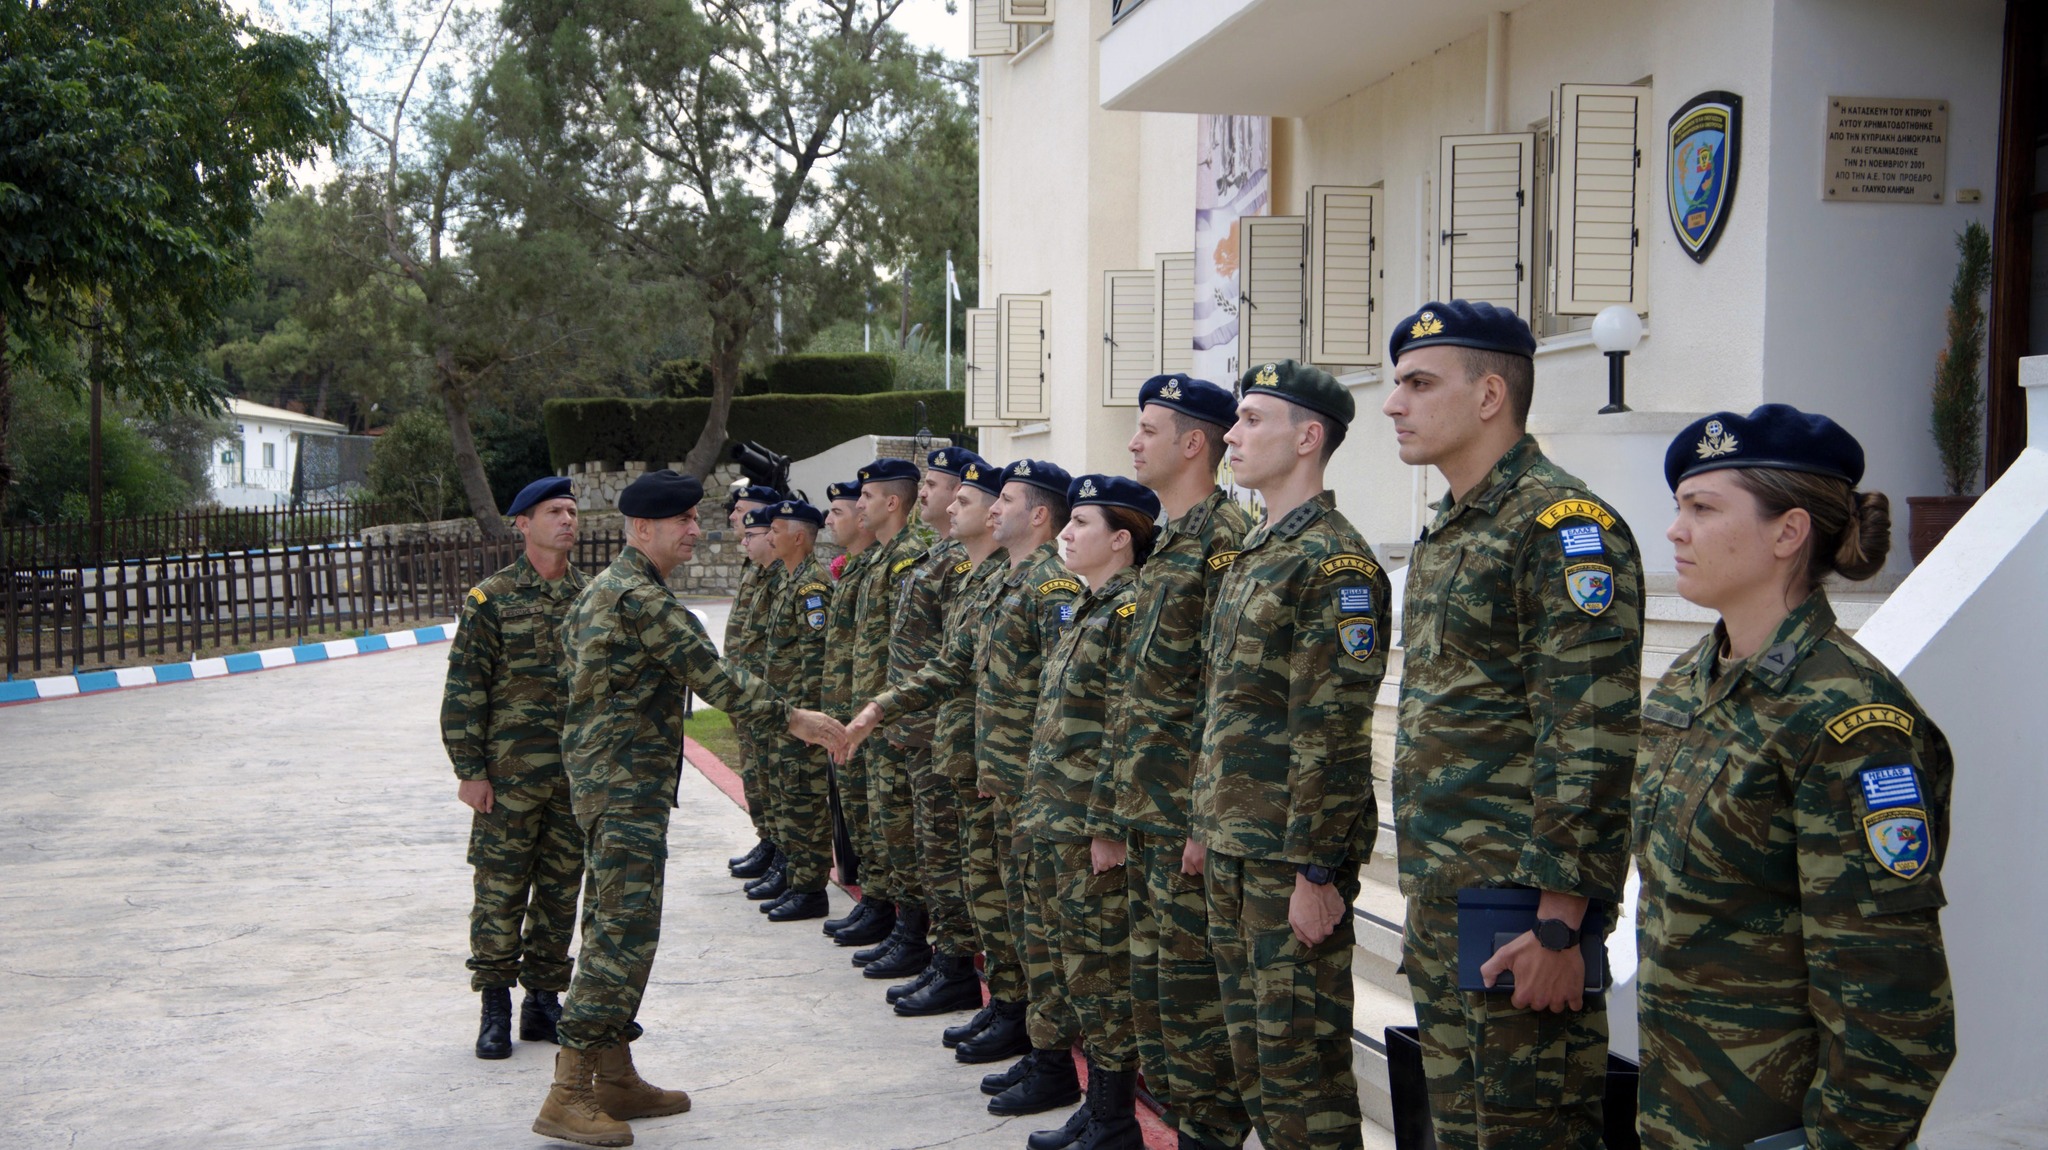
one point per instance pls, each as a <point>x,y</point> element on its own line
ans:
<point>1958,416</point>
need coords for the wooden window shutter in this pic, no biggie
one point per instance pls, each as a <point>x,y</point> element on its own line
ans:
<point>988,34</point>
<point>1482,215</point>
<point>1022,385</point>
<point>1027,11</point>
<point>1270,254</point>
<point>1602,202</point>
<point>1130,334</point>
<point>984,353</point>
<point>1343,276</point>
<point>1176,312</point>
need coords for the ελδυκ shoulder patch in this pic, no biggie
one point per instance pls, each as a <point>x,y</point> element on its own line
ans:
<point>1060,584</point>
<point>1222,559</point>
<point>1336,563</point>
<point>1845,725</point>
<point>477,593</point>
<point>1581,508</point>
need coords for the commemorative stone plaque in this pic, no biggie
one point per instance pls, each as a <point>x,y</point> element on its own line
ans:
<point>1886,149</point>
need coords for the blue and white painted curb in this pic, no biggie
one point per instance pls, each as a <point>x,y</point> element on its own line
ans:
<point>91,682</point>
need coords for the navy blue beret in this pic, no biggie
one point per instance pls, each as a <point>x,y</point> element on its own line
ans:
<point>981,473</point>
<point>885,470</point>
<point>754,493</point>
<point>954,460</point>
<point>539,491</point>
<point>798,510</point>
<point>758,517</point>
<point>1190,396</point>
<point>1463,323</point>
<point>1303,385</point>
<point>848,490</point>
<point>1776,435</point>
<point>660,494</point>
<point>1038,473</point>
<point>1113,491</point>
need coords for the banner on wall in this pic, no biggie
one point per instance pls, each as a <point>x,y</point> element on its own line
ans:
<point>1233,179</point>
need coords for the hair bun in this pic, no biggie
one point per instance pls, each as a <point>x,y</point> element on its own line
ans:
<point>1868,538</point>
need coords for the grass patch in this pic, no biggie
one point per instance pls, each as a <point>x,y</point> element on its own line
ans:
<point>713,728</point>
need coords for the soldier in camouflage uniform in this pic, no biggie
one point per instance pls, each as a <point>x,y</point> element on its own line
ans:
<point>752,646</point>
<point>1518,721</point>
<point>843,518</point>
<point>948,983</point>
<point>501,721</point>
<point>633,652</point>
<point>761,857</point>
<point>1791,817</point>
<point>1282,794</point>
<point>1179,1019</point>
<point>1067,808</point>
<point>793,618</point>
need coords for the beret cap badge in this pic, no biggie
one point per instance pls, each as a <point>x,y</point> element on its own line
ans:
<point>973,472</point>
<point>1023,467</point>
<point>1426,324</point>
<point>1717,441</point>
<point>1087,489</point>
<point>1269,376</point>
<point>939,460</point>
<point>1171,390</point>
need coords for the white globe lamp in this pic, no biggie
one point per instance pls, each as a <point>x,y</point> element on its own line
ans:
<point>1616,332</point>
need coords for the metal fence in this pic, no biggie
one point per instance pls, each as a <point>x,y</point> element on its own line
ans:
<point>85,617</point>
<point>179,533</point>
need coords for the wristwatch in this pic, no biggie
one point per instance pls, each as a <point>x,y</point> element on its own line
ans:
<point>1319,875</point>
<point>1555,934</point>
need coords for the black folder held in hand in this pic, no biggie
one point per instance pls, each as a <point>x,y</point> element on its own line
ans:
<point>1490,917</point>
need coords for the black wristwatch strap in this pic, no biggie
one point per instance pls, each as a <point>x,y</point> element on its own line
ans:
<point>1319,875</point>
<point>1556,934</point>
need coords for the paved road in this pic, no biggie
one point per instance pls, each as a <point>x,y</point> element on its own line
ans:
<point>234,915</point>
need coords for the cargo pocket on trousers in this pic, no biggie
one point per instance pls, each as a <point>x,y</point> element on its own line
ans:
<point>636,886</point>
<point>1522,1060</point>
<point>1301,1005</point>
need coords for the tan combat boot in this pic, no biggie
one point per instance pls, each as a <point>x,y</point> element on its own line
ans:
<point>624,1094</point>
<point>571,1112</point>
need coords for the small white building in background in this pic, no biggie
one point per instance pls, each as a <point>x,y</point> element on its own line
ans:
<point>254,468</point>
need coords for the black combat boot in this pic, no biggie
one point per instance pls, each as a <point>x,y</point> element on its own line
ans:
<point>887,946</point>
<point>770,885</point>
<point>954,986</point>
<point>1051,1083</point>
<point>856,915</point>
<point>762,848</point>
<point>1112,1111</point>
<point>924,978</point>
<point>877,926</point>
<point>788,893</point>
<point>494,1033</point>
<point>1001,1080</point>
<point>796,907</point>
<point>538,1014</point>
<point>1076,1122</point>
<point>955,1035</point>
<point>911,955</point>
<point>760,864</point>
<point>1004,1037</point>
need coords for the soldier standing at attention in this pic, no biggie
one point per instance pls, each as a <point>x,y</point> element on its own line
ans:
<point>501,720</point>
<point>1179,1020</point>
<point>759,544</point>
<point>633,652</point>
<point>1069,800</point>
<point>888,492</point>
<point>1791,816</point>
<point>843,517</point>
<point>758,860</point>
<point>793,616</point>
<point>1518,721</point>
<point>1282,795</point>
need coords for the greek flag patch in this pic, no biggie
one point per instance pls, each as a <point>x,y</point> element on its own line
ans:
<point>1885,787</point>
<point>1582,539</point>
<point>1066,612</point>
<point>1354,600</point>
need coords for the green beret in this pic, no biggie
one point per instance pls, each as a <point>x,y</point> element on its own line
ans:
<point>1303,385</point>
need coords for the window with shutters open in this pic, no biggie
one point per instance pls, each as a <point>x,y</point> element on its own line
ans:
<point>1022,384</point>
<point>1483,219</point>
<point>1599,202</point>
<point>984,354</point>
<point>1176,312</point>
<point>1027,11</point>
<point>1130,334</point>
<point>1270,254</point>
<point>1343,276</point>
<point>988,34</point>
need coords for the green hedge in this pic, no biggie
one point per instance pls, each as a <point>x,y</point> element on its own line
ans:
<point>662,431</point>
<point>854,374</point>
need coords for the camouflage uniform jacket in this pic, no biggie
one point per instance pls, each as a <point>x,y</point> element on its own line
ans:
<point>1037,604</point>
<point>1069,786</point>
<point>501,709</point>
<point>893,560</point>
<point>743,598</point>
<point>1520,687</point>
<point>1159,724</point>
<point>633,650</point>
<point>792,618</point>
<point>1791,816</point>
<point>838,698</point>
<point>919,628</point>
<point>947,683</point>
<point>1296,649</point>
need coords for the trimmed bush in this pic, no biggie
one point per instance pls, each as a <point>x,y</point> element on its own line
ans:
<point>856,374</point>
<point>662,431</point>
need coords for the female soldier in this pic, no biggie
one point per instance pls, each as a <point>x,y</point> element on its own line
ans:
<point>1791,808</point>
<point>1070,806</point>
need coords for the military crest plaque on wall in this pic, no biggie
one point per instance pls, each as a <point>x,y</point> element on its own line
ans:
<point>1706,153</point>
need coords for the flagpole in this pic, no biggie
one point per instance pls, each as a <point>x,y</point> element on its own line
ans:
<point>950,289</point>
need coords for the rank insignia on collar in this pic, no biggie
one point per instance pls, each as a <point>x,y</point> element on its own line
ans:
<point>1087,489</point>
<point>1426,324</point>
<point>1718,441</point>
<point>1591,586</point>
<point>1127,610</point>
<point>1171,390</point>
<point>1360,638</point>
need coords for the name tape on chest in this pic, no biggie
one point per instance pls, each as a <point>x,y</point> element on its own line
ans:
<point>1582,539</point>
<point>1575,509</point>
<point>1359,563</point>
<point>1845,726</point>
<point>1896,827</point>
<point>1354,600</point>
<point>1060,584</point>
<point>1222,559</point>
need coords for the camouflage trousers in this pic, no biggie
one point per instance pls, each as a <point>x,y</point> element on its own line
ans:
<point>853,808</point>
<point>1092,933</point>
<point>1182,1043</point>
<point>802,788</point>
<point>988,900</point>
<point>753,781</point>
<point>889,857</point>
<point>528,855</point>
<point>939,870</point>
<point>626,852</point>
<point>1498,1076</point>
<point>1034,913</point>
<point>1287,1007</point>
